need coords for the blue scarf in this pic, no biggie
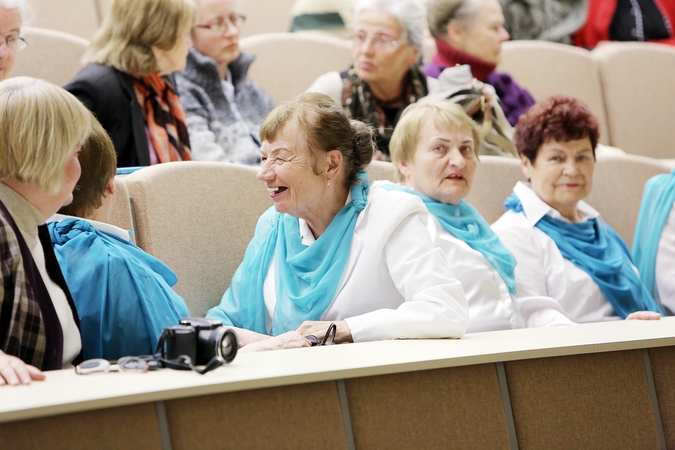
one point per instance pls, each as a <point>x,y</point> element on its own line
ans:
<point>122,294</point>
<point>657,202</point>
<point>465,223</point>
<point>306,278</point>
<point>597,250</point>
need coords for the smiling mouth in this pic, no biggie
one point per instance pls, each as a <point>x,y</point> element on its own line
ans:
<point>455,177</point>
<point>276,190</point>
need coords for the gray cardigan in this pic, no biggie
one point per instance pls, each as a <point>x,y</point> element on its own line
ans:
<point>216,133</point>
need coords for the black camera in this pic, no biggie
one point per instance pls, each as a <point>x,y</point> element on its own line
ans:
<point>199,338</point>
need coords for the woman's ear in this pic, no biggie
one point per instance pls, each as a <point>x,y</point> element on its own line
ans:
<point>110,188</point>
<point>455,35</point>
<point>334,163</point>
<point>526,166</point>
<point>404,168</point>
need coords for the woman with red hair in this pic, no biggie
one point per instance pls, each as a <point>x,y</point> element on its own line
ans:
<point>563,247</point>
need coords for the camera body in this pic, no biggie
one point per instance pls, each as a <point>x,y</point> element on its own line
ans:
<point>201,339</point>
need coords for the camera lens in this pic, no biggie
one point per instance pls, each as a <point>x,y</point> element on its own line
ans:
<point>228,346</point>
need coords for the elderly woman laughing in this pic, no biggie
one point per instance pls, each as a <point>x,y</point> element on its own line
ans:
<point>334,250</point>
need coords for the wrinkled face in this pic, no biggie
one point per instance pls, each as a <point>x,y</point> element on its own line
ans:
<point>443,165</point>
<point>221,42</point>
<point>10,26</point>
<point>380,49</point>
<point>71,174</point>
<point>289,176</point>
<point>483,37</point>
<point>562,172</point>
<point>174,59</point>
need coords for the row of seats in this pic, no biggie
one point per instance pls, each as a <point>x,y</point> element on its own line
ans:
<point>83,17</point>
<point>202,229</point>
<point>629,86</point>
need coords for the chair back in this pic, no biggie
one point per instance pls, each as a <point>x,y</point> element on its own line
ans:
<point>50,55</point>
<point>265,16</point>
<point>122,214</point>
<point>382,170</point>
<point>547,68</point>
<point>288,63</point>
<point>493,183</point>
<point>198,218</point>
<point>618,184</point>
<point>78,17</point>
<point>638,80</point>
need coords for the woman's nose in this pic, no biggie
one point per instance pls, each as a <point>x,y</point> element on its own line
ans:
<point>265,173</point>
<point>456,159</point>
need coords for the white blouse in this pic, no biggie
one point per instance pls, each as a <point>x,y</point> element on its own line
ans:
<point>542,270</point>
<point>664,272</point>
<point>396,283</point>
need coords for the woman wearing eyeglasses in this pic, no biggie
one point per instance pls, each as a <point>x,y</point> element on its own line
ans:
<point>385,76</point>
<point>12,15</point>
<point>127,82</point>
<point>224,109</point>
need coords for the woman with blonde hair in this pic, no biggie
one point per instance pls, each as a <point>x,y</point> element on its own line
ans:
<point>127,82</point>
<point>41,130</point>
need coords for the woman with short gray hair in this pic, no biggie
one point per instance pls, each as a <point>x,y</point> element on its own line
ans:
<point>471,32</point>
<point>385,76</point>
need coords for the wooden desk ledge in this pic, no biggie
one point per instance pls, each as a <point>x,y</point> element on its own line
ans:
<point>65,392</point>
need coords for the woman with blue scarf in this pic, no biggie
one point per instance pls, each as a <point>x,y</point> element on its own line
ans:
<point>333,249</point>
<point>563,247</point>
<point>654,241</point>
<point>435,147</point>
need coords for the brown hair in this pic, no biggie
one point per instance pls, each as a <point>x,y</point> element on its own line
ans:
<point>325,127</point>
<point>99,163</point>
<point>558,118</point>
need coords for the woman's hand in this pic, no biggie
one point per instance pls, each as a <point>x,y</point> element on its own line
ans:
<point>643,315</point>
<point>318,328</point>
<point>13,371</point>
<point>246,337</point>
<point>290,339</point>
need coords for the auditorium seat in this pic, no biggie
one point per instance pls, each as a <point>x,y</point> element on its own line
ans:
<point>122,214</point>
<point>638,81</point>
<point>78,17</point>
<point>494,181</point>
<point>618,184</point>
<point>288,63</point>
<point>198,218</point>
<point>264,16</point>
<point>50,55</point>
<point>547,68</point>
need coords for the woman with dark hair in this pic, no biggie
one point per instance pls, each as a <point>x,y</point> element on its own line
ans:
<point>333,249</point>
<point>563,247</point>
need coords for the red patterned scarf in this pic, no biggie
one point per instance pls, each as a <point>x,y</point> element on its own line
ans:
<point>164,118</point>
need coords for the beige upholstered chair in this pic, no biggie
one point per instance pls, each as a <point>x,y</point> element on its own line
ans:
<point>265,16</point>
<point>547,68</point>
<point>78,17</point>
<point>494,181</point>
<point>288,63</point>
<point>198,218</point>
<point>51,55</point>
<point>382,170</point>
<point>638,81</point>
<point>618,184</point>
<point>122,214</point>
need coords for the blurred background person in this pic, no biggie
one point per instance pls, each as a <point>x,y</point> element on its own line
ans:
<point>471,32</point>
<point>223,108</point>
<point>563,247</point>
<point>13,14</point>
<point>42,128</point>
<point>547,20</point>
<point>385,76</point>
<point>333,249</point>
<point>127,83</point>
<point>123,295</point>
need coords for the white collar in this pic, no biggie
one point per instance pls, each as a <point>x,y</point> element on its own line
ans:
<point>535,208</point>
<point>100,226</point>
